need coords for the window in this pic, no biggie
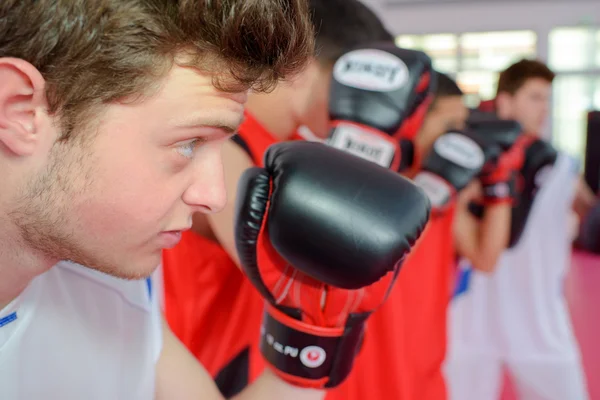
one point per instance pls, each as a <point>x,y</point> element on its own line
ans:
<point>442,48</point>
<point>596,100</point>
<point>572,49</point>
<point>574,54</point>
<point>494,51</point>
<point>572,99</point>
<point>474,58</point>
<point>598,49</point>
<point>477,86</point>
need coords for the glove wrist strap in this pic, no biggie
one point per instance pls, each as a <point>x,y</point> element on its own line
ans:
<point>307,355</point>
<point>498,192</point>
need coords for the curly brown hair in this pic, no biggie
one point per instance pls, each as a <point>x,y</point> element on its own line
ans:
<point>93,52</point>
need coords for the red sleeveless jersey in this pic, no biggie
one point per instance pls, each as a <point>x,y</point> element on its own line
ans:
<point>209,304</point>
<point>425,291</point>
<point>405,340</point>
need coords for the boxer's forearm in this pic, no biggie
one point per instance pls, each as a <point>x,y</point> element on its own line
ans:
<point>466,232</point>
<point>494,235</point>
<point>482,242</point>
<point>180,376</point>
<point>270,387</point>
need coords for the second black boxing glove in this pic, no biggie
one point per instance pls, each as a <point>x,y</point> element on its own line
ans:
<point>322,235</point>
<point>378,93</point>
<point>454,161</point>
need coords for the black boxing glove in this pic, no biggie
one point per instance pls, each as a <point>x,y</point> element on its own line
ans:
<point>454,161</point>
<point>376,91</point>
<point>540,157</point>
<point>495,131</point>
<point>499,176</point>
<point>322,234</point>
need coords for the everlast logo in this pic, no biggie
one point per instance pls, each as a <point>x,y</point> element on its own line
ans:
<point>363,149</point>
<point>460,150</point>
<point>371,69</point>
<point>365,145</point>
<point>384,72</point>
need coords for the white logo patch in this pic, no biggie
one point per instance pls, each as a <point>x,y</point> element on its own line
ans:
<point>435,188</point>
<point>460,150</point>
<point>371,69</point>
<point>363,144</point>
<point>313,356</point>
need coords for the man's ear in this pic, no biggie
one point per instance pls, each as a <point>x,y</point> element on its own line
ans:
<point>22,97</point>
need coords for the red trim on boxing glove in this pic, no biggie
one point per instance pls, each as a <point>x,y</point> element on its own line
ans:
<point>499,181</point>
<point>412,124</point>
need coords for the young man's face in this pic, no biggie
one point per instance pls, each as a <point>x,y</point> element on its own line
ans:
<point>529,105</point>
<point>115,202</point>
<point>448,113</point>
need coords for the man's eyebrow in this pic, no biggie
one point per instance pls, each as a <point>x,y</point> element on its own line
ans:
<point>228,125</point>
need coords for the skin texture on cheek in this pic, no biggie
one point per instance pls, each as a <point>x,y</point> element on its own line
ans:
<point>107,203</point>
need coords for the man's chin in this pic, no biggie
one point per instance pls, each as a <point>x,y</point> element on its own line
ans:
<point>129,271</point>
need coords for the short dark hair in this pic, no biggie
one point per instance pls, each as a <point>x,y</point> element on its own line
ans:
<point>446,86</point>
<point>343,24</point>
<point>94,52</point>
<point>515,76</point>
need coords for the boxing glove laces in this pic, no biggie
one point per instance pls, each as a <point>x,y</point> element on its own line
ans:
<point>322,235</point>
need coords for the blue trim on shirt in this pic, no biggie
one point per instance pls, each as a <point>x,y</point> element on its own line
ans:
<point>149,284</point>
<point>462,281</point>
<point>8,319</point>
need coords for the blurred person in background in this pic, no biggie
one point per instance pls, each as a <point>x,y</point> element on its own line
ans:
<point>409,365</point>
<point>425,289</point>
<point>415,315</point>
<point>517,316</point>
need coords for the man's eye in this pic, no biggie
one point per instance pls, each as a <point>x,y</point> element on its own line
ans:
<point>188,148</point>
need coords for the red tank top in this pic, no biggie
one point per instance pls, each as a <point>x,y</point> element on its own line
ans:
<point>405,340</point>
<point>425,286</point>
<point>209,304</point>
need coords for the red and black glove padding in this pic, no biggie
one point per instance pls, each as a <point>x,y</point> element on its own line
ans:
<point>456,158</point>
<point>379,96</point>
<point>500,178</point>
<point>322,235</point>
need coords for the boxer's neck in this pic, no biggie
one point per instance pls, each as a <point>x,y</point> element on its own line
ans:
<point>19,264</point>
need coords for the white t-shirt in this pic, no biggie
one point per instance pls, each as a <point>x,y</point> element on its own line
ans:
<point>519,311</point>
<point>78,334</point>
